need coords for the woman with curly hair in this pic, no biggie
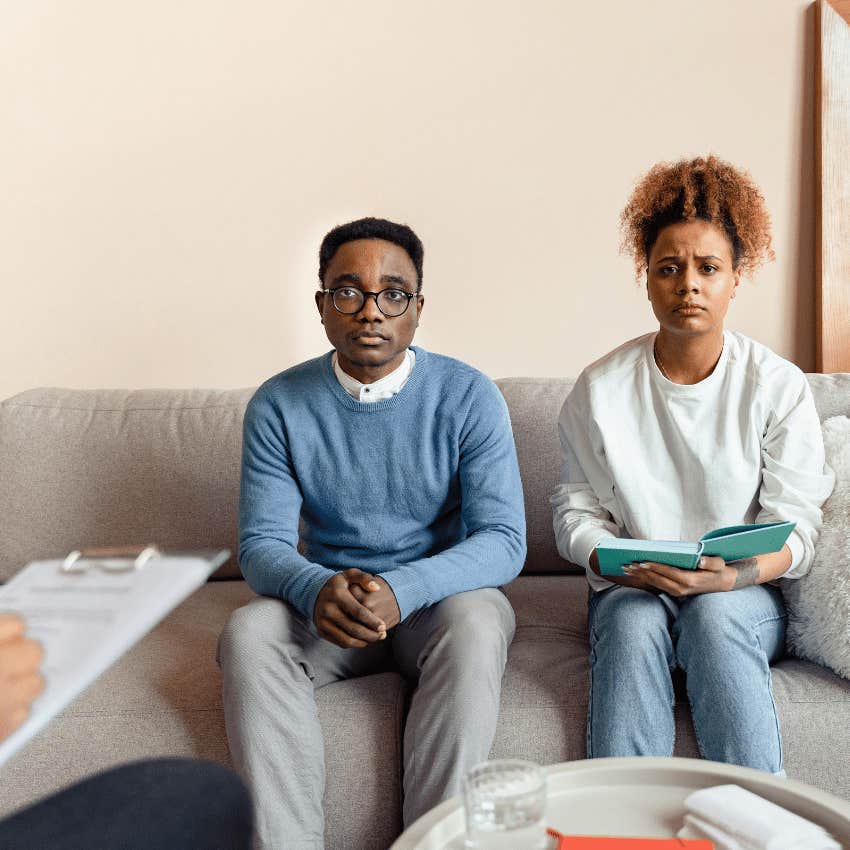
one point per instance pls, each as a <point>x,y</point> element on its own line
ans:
<point>675,433</point>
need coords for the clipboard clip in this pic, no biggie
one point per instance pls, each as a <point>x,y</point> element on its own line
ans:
<point>110,559</point>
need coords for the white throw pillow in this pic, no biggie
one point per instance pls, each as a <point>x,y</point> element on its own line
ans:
<point>819,603</point>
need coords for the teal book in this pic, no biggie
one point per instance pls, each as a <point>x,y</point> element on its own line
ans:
<point>731,544</point>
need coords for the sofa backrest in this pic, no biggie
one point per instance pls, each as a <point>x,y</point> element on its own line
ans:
<point>99,467</point>
<point>535,404</point>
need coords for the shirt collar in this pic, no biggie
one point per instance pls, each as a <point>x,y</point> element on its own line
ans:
<point>381,389</point>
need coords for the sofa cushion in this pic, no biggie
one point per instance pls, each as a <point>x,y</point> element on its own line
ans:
<point>813,705</point>
<point>100,467</point>
<point>534,404</point>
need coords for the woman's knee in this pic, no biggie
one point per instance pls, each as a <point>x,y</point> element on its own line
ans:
<point>721,626</point>
<point>629,616</point>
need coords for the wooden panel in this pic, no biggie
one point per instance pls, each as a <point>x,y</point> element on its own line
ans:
<point>843,8</point>
<point>833,150</point>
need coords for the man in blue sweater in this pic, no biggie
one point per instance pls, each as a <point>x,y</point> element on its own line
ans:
<point>401,467</point>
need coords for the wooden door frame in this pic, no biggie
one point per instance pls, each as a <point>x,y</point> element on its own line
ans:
<point>832,148</point>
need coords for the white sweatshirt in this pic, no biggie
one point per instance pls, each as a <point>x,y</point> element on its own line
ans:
<point>645,457</point>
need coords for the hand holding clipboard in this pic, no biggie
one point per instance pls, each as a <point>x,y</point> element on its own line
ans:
<point>86,611</point>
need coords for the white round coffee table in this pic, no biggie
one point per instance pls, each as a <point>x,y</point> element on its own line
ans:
<point>635,797</point>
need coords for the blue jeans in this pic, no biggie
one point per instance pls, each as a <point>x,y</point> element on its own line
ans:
<point>724,642</point>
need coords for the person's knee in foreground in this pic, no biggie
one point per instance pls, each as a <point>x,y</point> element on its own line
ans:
<point>400,467</point>
<point>147,804</point>
<point>673,434</point>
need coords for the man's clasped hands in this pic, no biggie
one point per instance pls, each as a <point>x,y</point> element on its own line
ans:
<point>355,608</point>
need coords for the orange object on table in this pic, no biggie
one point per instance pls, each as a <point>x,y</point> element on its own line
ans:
<point>595,842</point>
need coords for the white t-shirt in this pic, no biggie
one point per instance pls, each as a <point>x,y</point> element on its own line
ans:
<point>648,458</point>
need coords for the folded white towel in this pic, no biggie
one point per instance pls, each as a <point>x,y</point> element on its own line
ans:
<point>696,828</point>
<point>736,819</point>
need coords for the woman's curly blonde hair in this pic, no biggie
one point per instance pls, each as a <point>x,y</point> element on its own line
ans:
<point>703,188</point>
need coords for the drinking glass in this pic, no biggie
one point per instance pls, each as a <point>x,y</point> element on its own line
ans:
<point>505,803</point>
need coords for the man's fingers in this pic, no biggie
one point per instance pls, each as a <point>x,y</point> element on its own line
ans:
<point>11,627</point>
<point>353,627</point>
<point>353,608</point>
<point>330,631</point>
<point>362,579</point>
<point>19,657</point>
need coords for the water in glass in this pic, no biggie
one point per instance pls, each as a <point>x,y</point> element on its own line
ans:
<point>505,802</point>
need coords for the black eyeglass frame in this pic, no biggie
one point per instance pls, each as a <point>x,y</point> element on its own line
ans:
<point>375,295</point>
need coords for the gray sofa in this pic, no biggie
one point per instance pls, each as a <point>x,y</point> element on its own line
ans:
<point>102,467</point>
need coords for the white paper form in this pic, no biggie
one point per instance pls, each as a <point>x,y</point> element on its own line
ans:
<point>86,620</point>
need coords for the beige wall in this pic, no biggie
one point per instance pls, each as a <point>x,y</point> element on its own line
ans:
<point>168,169</point>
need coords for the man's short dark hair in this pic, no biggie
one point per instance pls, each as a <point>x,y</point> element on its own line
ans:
<point>372,228</point>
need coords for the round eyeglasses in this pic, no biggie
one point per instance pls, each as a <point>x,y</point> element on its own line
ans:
<point>349,300</point>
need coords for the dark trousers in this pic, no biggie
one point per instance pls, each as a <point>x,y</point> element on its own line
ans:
<point>166,803</point>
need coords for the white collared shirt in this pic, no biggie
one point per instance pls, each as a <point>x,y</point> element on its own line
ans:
<point>381,389</point>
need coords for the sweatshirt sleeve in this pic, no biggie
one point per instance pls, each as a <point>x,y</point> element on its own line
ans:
<point>795,478</point>
<point>269,509</point>
<point>579,519</point>
<point>492,507</point>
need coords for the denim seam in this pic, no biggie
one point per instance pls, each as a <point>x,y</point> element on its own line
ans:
<point>673,712</point>
<point>593,640</point>
<point>770,620</point>
<point>589,732</point>
<point>776,725</point>
<point>694,725</point>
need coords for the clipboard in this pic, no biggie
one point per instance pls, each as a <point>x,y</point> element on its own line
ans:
<point>89,608</point>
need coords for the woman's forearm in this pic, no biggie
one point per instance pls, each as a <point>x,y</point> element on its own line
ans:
<point>761,568</point>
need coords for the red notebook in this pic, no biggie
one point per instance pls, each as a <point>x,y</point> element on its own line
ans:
<point>590,842</point>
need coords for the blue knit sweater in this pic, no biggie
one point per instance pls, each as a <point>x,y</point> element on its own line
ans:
<point>422,488</point>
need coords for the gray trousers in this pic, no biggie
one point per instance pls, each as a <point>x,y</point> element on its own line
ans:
<point>272,660</point>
